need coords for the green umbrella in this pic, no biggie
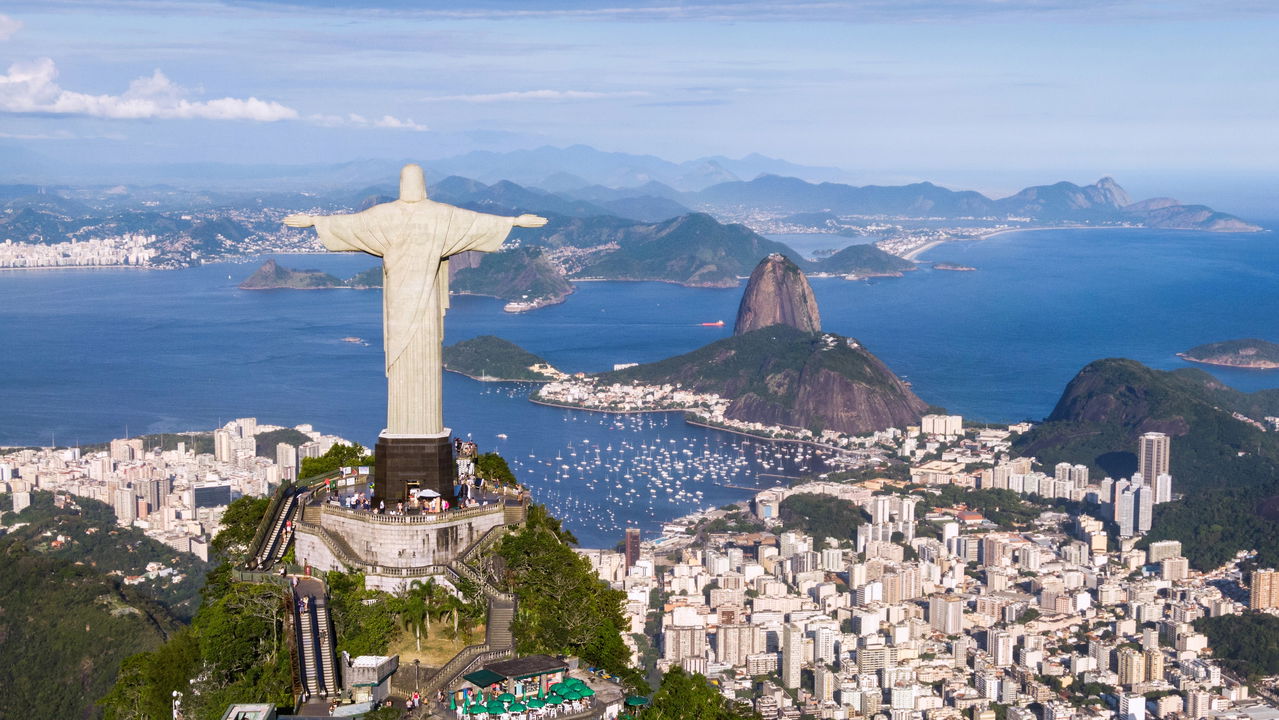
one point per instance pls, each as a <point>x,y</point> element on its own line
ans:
<point>636,700</point>
<point>559,686</point>
<point>477,708</point>
<point>506,698</point>
<point>536,703</point>
<point>496,706</point>
<point>516,707</point>
<point>574,683</point>
<point>554,699</point>
<point>585,691</point>
<point>572,695</point>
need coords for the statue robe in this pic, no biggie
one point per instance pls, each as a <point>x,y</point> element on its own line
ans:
<point>414,240</point>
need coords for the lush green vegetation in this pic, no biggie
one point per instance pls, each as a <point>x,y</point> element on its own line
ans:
<point>1227,468</point>
<point>1244,352</point>
<point>789,377</point>
<point>520,273</point>
<point>1005,508</point>
<point>822,516</point>
<point>736,521</point>
<point>488,356</point>
<point>338,456</point>
<point>272,276</point>
<point>689,697</point>
<point>563,605</point>
<point>493,467</point>
<point>266,441</point>
<point>235,648</point>
<point>693,249</point>
<point>85,532</point>
<point>863,260</point>
<point>1248,643</point>
<point>65,627</point>
<point>371,278</point>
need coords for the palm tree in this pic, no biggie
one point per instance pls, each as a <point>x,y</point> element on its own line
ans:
<point>420,605</point>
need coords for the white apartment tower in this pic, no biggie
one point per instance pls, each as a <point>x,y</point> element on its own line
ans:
<point>1152,456</point>
<point>792,655</point>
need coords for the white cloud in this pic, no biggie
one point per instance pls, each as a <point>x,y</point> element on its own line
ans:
<point>8,26</point>
<point>31,87</point>
<point>353,120</point>
<point>553,95</point>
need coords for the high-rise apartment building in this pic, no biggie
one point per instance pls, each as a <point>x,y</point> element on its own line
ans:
<point>1125,515</point>
<point>1265,589</point>
<point>735,642</point>
<point>1132,666</point>
<point>792,655</point>
<point>1144,507</point>
<point>946,614</point>
<point>1132,707</point>
<point>1154,665</point>
<point>1152,456</point>
<point>632,547</point>
<point>1163,549</point>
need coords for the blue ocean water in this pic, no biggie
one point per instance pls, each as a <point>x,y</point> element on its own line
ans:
<point>91,353</point>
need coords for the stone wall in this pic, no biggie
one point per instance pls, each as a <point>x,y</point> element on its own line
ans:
<point>392,541</point>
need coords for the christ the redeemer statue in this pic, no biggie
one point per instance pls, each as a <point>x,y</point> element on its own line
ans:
<point>414,237</point>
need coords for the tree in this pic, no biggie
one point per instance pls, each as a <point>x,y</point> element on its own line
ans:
<point>564,608</point>
<point>493,467</point>
<point>339,455</point>
<point>689,697</point>
<point>239,525</point>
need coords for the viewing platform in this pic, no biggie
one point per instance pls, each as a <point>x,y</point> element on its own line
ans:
<point>393,545</point>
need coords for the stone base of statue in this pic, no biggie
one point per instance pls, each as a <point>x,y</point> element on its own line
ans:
<point>407,463</point>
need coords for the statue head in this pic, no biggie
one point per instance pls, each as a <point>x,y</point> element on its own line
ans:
<point>412,183</point>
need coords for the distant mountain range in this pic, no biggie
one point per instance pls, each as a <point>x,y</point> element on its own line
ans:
<point>1102,202</point>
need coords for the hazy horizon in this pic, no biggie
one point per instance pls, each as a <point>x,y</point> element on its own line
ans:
<point>1170,98</point>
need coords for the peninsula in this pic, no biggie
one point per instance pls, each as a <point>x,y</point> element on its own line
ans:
<point>1249,353</point>
<point>492,359</point>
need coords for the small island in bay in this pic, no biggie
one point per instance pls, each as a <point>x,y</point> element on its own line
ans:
<point>953,267</point>
<point>491,359</point>
<point>1249,353</point>
<point>272,276</point>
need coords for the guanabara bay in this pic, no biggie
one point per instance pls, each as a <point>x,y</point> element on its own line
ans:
<point>656,361</point>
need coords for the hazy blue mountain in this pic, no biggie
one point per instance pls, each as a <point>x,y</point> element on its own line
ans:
<point>1103,201</point>
<point>691,250</point>
<point>505,197</point>
<point>545,167</point>
<point>600,193</point>
<point>646,208</point>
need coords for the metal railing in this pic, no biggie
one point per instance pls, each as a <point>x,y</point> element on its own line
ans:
<point>443,516</point>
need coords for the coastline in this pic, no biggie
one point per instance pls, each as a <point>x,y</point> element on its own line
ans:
<point>84,267</point>
<point>914,254</point>
<point>489,378</point>
<point>562,406</point>
<point>689,419</point>
<point>1258,368</point>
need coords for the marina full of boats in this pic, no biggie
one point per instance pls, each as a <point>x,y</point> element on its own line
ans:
<point>642,470</point>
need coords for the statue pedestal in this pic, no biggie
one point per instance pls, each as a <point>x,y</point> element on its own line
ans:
<point>405,463</point>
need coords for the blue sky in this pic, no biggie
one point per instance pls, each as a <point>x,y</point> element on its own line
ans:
<point>987,94</point>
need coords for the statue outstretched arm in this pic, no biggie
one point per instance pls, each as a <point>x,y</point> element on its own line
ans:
<point>529,221</point>
<point>341,233</point>
<point>470,230</point>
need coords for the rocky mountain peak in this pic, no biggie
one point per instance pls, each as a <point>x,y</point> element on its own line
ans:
<point>1113,193</point>
<point>777,294</point>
